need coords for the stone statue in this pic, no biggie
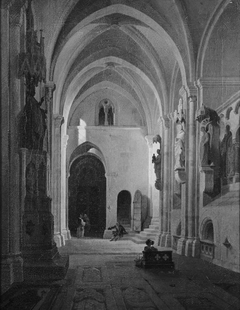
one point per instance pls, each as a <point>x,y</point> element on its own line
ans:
<point>204,147</point>
<point>180,149</point>
<point>33,121</point>
<point>156,160</point>
<point>179,117</point>
<point>227,154</point>
<point>209,119</point>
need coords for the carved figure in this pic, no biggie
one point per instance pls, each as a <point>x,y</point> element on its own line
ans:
<point>207,115</point>
<point>180,149</point>
<point>33,122</point>
<point>156,139</point>
<point>209,118</point>
<point>227,154</point>
<point>156,160</point>
<point>204,147</point>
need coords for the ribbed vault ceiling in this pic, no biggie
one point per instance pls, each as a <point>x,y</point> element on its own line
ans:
<point>130,48</point>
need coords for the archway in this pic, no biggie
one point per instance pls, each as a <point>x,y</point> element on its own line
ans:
<point>207,239</point>
<point>124,208</point>
<point>87,194</point>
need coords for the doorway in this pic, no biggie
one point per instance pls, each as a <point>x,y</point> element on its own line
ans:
<point>87,195</point>
<point>124,208</point>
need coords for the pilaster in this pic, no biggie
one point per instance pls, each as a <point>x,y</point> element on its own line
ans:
<point>153,193</point>
<point>165,238</point>
<point>56,177</point>
<point>64,192</point>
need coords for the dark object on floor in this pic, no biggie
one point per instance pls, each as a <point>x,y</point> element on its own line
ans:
<point>162,259</point>
<point>28,296</point>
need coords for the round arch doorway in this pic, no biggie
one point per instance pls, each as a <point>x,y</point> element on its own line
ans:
<point>124,208</point>
<point>87,194</point>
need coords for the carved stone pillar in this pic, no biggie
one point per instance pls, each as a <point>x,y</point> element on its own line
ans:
<point>165,239</point>
<point>65,233</point>
<point>153,193</point>
<point>191,175</point>
<point>56,178</point>
<point>11,261</point>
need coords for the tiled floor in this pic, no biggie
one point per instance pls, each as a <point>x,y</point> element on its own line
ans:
<point>102,275</point>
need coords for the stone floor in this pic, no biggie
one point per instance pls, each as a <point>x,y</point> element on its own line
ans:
<point>102,275</point>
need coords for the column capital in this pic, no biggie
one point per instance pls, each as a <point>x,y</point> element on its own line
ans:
<point>182,92</point>
<point>58,120</point>
<point>50,85</point>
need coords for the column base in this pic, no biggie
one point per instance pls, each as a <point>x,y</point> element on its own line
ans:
<point>196,248</point>
<point>11,271</point>
<point>107,234</point>
<point>58,239</point>
<point>189,247</point>
<point>54,269</point>
<point>165,240</point>
<point>181,246</point>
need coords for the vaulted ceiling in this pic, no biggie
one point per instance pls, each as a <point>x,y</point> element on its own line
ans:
<point>135,49</point>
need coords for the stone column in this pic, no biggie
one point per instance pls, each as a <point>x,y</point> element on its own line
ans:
<point>111,203</point>
<point>165,239</point>
<point>65,233</point>
<point>12,264</point>
<point>49,89</point>
<point>56,177</point>
<point>153,193</point>
<point>191,174</point>
<point>180,168</point>
<point>236,160</point>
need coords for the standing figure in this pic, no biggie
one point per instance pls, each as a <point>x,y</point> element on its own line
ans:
<point>81,226</point>
<point>87,223</point>
<point>180,149</point>
<point>118,232</point>
<point>204,147</point>
<point>156,160</point>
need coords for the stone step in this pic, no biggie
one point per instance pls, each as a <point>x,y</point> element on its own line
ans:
<point>154,226</point>
<point>152,229</point>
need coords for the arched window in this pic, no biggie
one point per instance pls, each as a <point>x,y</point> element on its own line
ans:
<point>105,113</point>
<point>207,233</point>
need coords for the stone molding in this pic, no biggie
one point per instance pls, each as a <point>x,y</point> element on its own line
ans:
<point>218,82</point>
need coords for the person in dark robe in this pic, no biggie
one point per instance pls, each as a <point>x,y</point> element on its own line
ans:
<point>118,232</point>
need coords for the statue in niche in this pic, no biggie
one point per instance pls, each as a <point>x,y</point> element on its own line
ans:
<point>204,147</point>
<point>179,118</point>
<point>157,161</point>
<point>227,154</point>
<point>208,119</point>
<point>180,149</point>
<point>33,121</point>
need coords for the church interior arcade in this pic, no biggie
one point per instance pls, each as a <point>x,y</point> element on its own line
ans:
<point>126,111</point>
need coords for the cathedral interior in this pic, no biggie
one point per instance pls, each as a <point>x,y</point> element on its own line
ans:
<point>126,111</point>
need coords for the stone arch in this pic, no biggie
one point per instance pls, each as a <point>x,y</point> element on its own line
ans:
<point>87,193</point>
<point>124,200</point>
<point>207,230</point>
<point>207,35</point>
<point>84,148</point>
